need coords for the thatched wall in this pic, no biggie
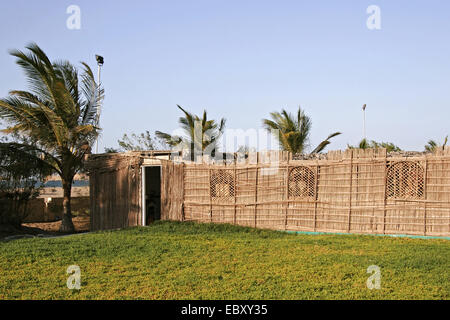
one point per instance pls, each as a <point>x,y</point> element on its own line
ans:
<point>355,191</point>
<point>115,190</point>
<point>352,191</point>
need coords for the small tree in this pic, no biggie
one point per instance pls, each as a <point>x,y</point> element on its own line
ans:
<point>139,142</point>
<point>59,113</point>
<point>20,181</point>
<point>432,145</point>
<point>365,144</point>
<point>390,147</point>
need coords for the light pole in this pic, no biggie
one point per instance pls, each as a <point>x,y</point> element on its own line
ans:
<point>364,121</point>
<point>100,61</point>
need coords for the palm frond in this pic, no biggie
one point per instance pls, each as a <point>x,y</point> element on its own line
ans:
<point>30,152</point>
<point>321,146</point>
<point>169,139</point>
<point>325,143</point>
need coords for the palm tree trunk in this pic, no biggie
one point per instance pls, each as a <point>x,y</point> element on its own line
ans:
<point>66,223</point>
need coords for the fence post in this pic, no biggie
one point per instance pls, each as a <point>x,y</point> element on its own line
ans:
<point>316,195</point>
<point>256,189</point>
<point>183,213</point>
<point>350,193</point>
<point>286,197</point>
<point>425,197</point>
<point>235,192</point>
<point>385,194</point>
<point>210,195</point>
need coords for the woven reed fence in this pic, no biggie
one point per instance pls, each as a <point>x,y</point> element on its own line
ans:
<point>352,191</point>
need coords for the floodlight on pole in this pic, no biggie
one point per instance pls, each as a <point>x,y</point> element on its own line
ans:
<point>364,121</point>
<point>100,62</point>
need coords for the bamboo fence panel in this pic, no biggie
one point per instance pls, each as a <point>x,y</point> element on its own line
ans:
<point>352,191</point>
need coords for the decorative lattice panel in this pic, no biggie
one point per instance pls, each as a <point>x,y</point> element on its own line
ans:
<point>302,183</point>
<point>405,180</point>
<point>222,185</point>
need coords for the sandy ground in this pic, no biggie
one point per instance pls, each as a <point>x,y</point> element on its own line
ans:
<point>81,223</point>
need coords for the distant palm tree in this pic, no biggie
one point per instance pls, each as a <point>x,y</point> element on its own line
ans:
<point>432,145</point>
<point>389,146</point>
<point>293,132</point>
<point>365,144</point>
<point>200,134</point>
<point>59,113</point>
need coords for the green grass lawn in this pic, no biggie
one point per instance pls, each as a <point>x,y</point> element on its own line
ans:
<point>170,260</point>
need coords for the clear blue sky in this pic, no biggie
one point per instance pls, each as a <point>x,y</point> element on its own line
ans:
<point>243,59</point>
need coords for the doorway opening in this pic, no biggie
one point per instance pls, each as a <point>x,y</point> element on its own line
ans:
<point>152,194</point>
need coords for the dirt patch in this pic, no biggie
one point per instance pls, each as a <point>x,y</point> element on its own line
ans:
<point>81,223</point>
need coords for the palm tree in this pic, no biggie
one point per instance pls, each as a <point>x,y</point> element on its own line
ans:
<point>293,132</point>
<point>389,146</point>
<point>59,112</point>
<point>432,145</point>
<point>200,134</point>
<point>365,144</point>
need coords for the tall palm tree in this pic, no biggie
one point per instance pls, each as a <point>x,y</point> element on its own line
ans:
<point>200,134</point>
<point>59,112</point>
<point>432,145</point>
<point>293,132</point>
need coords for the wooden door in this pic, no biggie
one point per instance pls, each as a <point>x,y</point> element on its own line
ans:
<point>172,190</point>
